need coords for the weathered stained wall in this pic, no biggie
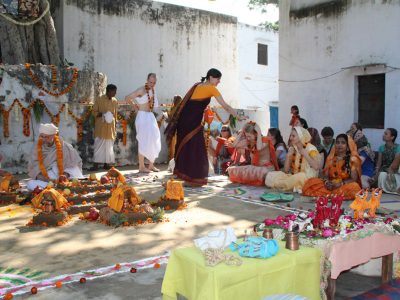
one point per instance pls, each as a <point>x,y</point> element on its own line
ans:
<point>320,41</point>
<point>128,39</point>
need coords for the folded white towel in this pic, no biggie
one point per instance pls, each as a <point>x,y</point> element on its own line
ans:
<point>216,239</point>
<point>108,117</point>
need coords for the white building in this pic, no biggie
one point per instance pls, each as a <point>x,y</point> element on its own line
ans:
<point>258,69</point>
<point>339,62</point>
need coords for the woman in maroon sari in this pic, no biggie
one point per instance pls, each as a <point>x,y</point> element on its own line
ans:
<point>191,161</point>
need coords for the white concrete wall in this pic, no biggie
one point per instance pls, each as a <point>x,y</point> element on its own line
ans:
<point>328,42</point>
<point>128,41</point>
<point>258,84</point>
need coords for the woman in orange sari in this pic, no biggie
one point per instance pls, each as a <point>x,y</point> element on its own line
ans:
<point>342,172</point>
<point>262,154</point>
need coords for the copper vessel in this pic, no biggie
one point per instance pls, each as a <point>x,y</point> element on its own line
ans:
<point>268,234</point>
<point>292,241</point>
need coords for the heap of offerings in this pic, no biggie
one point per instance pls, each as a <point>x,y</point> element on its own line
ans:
<point>83,195</point>
<point>126,208</point>
<point>50,208</point>
<point>8,188</point>
<point>174,197</point>
<point>58,200</point>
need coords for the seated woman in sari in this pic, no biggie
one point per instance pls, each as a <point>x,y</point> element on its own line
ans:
<point>342,172</point>
<point>263,158</point>
<point>316,141</point>
<point>220,152</point>
<point>302,162</point>
<point>280,147</point>
<point>191,161</point>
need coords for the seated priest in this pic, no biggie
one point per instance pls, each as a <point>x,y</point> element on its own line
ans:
<point>52,158</point>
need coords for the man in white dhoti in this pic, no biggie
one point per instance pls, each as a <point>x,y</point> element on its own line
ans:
<point>105,112</point>
<point>51,158</point>
<point>144,100</point>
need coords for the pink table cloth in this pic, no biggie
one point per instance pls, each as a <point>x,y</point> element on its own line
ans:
<point>347,254</point>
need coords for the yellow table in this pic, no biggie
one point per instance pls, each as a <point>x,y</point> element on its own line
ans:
<point>289,272</point>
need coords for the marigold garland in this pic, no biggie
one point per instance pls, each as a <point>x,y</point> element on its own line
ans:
<point>6,116</point>
<point>124,123</point>
<point>150,99</point>
<point>293,164</point>
<point>37,82</point>
<point>59,157</point>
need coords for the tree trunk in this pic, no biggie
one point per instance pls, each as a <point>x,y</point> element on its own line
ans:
<point>35,43</point>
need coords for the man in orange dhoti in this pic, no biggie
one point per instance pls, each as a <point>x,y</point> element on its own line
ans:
<point>342,171</point>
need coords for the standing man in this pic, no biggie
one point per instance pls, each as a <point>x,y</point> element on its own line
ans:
<point>105,113</point>
<point>144,100</point>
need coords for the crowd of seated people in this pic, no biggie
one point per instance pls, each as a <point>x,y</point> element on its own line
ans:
<point>308,164</point>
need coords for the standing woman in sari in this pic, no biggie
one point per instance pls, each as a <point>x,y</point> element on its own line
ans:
<point>342,172</point>
<point>302,162</point>
<point>191,162</point>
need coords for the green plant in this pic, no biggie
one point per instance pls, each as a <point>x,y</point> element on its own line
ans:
<point>117,220</point>
<point>38,109</point>
<point>158,214</point>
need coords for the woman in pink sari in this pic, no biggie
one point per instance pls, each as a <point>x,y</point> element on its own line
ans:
<point>263,158</point>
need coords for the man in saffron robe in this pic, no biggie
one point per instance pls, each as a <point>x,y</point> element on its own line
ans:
<point>105,113</point>
<point>51,158</point>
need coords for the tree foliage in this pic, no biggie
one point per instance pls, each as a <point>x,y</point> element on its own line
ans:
<point>262,4</point>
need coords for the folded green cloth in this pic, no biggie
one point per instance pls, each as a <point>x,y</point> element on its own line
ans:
<point>277,197</point>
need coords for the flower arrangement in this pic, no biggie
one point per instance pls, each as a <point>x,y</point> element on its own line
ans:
<point>326,221</point>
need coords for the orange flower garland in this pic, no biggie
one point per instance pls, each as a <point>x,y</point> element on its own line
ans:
<point>151,99</point>
<point>124,123</point>
<point>37,82</point>
<point>6,117</point>
<point>59,157</point>
<point>27,119</point>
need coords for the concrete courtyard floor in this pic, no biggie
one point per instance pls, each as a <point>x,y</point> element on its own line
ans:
<point>82,246</point>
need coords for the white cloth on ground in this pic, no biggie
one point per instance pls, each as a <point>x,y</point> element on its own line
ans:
<point>103,151</point>
<point>148,135</point>
<point>216,239</point>
<point>74,172</point>
<point>383,177</point>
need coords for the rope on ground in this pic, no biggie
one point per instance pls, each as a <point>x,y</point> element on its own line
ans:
<point>28,23</point>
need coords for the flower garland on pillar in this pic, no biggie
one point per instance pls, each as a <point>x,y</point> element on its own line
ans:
<point>124,124</point>
<point>79,122</point>
<point>60,164</point>
<point>54,81</point>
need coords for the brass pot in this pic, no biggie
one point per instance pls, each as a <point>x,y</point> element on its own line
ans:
<point>292,241</point>
<point>268,234</point>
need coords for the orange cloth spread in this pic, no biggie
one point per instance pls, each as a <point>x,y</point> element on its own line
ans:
<point>205,91</point>
<point>59,199</point>
<point>113,172</point>
<point>5,183</point>
<point>116,201</point>
<point>174,190</point>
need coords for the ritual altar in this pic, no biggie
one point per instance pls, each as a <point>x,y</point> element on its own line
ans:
<point>289,272</point>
